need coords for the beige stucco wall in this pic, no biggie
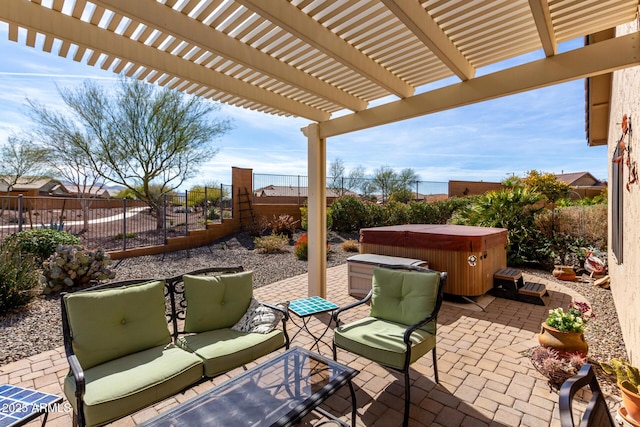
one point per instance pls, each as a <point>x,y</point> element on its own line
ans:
<point>625,277</point>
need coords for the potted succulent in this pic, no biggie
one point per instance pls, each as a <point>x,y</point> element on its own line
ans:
<point>628,378</point>
<point>555,367</point>
<point>564,330</point>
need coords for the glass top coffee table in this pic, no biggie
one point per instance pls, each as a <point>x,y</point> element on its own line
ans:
<point>278,392</point>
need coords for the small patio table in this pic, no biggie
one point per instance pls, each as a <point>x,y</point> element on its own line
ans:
<point>19,405</point>
<point>278,392</point>
<point>304,308</point>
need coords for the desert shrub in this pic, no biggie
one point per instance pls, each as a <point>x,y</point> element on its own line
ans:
<point>439,212</point>
<point>72,265</point>
<point>376,215</point>
<point>589,222</point>
<point>401,195</point>
<point>351,245</point>
<point>121,236</point>
<point>513,209</point>
<point>397,213</point>
<point>284,224</point>
<point>304,214</point>
<point>213,213</point>
<point>257,228</point>
<point>41,243</point>
<point>271,244</point>
<point>301,248</point>
<point>18,276</point>
<point>348,214</point>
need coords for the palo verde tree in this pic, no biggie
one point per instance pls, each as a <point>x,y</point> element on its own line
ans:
<point>340,181</point>
<point>21,160</point>
<point>388,182</point>
<point>138,135</point>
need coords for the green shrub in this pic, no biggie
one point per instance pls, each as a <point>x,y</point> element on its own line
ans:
<point>18,276</point>
<point>397,213</point>
<point>304,214</point>
<point>439,212</point>
<point>376,215</point>
<point>213,213</point>
<point>41,243</point>
<point>72,265</point>
<point>120,236</point>
<point>513,209</point>
<point>271,244</point>
<point>348,214</point>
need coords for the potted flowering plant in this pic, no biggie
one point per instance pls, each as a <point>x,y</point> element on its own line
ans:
<point>564,330</point>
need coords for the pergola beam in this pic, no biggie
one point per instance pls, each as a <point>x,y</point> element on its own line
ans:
<point>588,61</point>
<point>542,18</point>
<point>291,19</point>
<point>71,30</point>
<point>179,25</point>
<point>417,19</point>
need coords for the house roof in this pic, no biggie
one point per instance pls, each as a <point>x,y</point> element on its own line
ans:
<point>291,191</point>
<point>572,178</point>
<point>27,183</point>
<point>314,58</point>
<point>94,190</point>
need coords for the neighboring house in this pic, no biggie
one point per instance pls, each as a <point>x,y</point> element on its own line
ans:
<point>583,183</point>
<point>31,186</point>
<point>579,179</point>
<point>93,192</point>
<point>279,191</point>
<point>612,102</point>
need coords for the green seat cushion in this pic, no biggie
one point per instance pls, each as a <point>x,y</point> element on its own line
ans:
<point>402,296</point>
<point>382,341</point>
<point>225,349</point>
<point>125,385</point>
<point>216,302</point>
<point>111,323</point>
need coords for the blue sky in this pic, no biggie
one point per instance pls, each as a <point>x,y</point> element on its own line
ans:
<point>542,129</point>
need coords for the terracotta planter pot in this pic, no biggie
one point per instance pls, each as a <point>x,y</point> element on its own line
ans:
<point>631,403</point>
<point>563,342</point>
<point>564,272</point>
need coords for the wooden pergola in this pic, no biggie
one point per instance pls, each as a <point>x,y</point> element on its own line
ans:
<point>314,58</point>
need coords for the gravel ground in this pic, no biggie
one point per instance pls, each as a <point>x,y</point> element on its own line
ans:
<point>37,328</point>
<point>603,333</point>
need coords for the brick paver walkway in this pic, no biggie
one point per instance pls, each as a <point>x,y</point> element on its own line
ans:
<point>484,377</point>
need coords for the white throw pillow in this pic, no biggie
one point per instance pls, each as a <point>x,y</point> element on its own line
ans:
<point>260,318</point>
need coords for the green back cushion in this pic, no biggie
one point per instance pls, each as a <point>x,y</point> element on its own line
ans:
<point>215,302</point>
<point>111,323</point>
<point>403,296</point>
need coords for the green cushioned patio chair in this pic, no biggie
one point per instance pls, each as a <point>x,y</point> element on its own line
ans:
<point>401,326</point>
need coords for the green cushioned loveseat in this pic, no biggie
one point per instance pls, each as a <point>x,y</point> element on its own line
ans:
<point>133,343</point>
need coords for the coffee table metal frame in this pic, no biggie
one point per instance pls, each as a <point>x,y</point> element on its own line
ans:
<point>278,392</point>
<point>304,308</point>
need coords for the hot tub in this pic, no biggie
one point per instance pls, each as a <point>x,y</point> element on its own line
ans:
<point>470,255</point>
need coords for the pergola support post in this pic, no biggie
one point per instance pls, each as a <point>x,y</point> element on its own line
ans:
<point>317,212</point>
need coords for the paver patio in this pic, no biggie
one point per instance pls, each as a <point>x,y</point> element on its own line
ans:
<point>484,377</point>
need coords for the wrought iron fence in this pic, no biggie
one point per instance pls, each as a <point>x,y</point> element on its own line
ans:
<point>115,224</point>
<point>296,186</point>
